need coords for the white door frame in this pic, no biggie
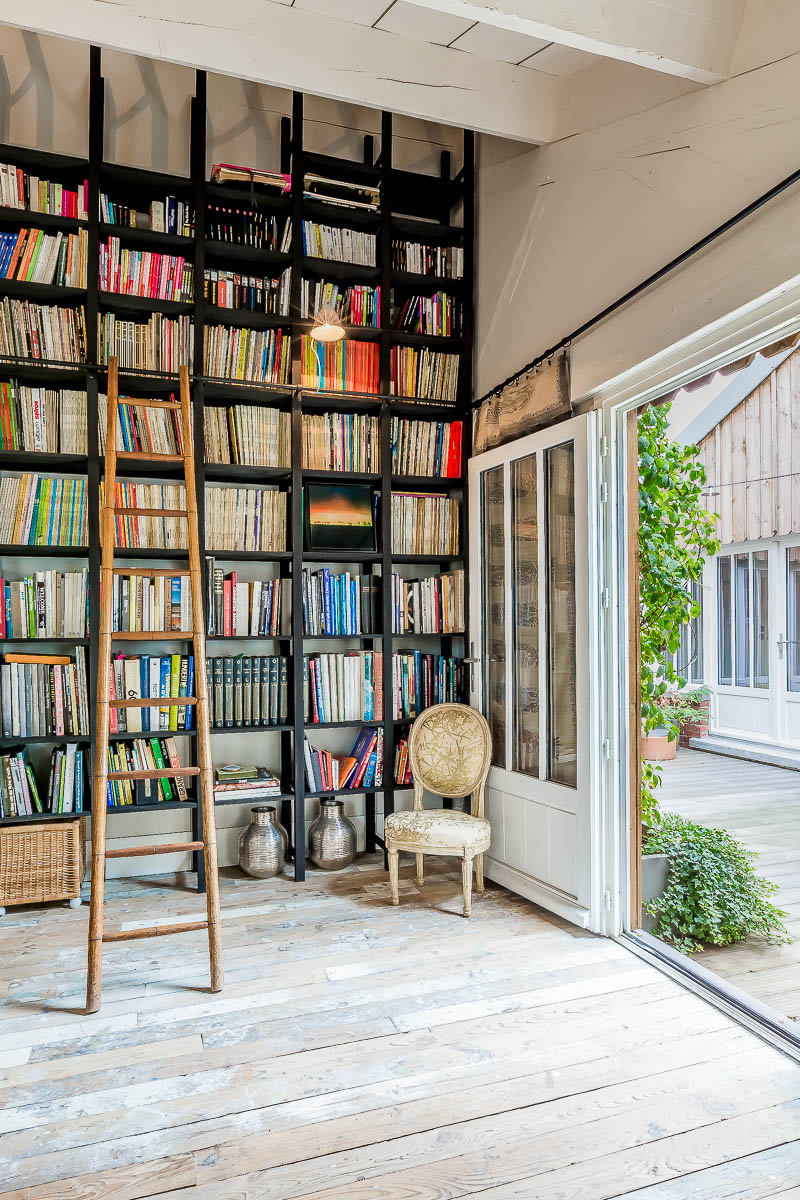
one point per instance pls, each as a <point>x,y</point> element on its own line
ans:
<point>587,908</point>
<point>747,329</point>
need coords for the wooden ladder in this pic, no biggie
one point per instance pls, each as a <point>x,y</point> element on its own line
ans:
<point>204,770</point>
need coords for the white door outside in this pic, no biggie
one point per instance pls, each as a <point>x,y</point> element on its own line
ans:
<point>530,618</point>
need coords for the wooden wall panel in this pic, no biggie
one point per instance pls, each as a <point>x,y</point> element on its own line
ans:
<point>752,461</point>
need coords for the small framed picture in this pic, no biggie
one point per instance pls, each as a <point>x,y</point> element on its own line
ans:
<point>339,516</point>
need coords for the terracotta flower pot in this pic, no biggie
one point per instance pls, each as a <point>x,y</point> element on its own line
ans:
<point>657,747</point>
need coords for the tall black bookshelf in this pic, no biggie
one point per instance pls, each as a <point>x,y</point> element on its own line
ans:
<point>433,209</point>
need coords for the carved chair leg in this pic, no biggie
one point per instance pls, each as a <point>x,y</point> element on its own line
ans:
<point>479,872</point>
<point>466,876</point>
<point>420,875</point>
<point>394,876</point>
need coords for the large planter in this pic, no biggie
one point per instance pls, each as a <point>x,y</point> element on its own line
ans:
<point>655,872</point>
<point>657,746</point>
<point>696,728</point>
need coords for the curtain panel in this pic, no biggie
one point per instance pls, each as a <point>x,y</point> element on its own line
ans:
<point>537,398</point>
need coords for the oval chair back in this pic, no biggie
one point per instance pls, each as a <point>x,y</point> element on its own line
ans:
<point>450,751</point>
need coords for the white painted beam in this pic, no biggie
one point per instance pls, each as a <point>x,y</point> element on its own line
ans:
<point>288,47</point>
<point>694,39</point>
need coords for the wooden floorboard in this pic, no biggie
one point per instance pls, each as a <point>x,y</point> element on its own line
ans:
<point>361,1051</point>
<point>760,805</point>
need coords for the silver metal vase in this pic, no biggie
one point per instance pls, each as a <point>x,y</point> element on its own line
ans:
<point>332,837</point>
<point>263,844</point>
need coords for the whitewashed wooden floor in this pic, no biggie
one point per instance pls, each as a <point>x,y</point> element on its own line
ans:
<point>361,1052</point>
<point>761,806</point>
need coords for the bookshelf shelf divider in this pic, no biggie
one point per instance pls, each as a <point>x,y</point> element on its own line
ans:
<point>413,207</point>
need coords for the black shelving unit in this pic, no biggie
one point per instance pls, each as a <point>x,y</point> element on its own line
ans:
<point>414,206</point>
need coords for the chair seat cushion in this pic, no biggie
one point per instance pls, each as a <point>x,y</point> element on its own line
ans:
<point>437,829</point>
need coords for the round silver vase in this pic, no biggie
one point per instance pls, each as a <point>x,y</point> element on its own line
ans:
<point>332,837</point>
<point>263,844</point>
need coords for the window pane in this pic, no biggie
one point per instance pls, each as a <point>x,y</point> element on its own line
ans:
<point>760,619</point>
<point>696,644</point>
<point>561,699</point>
<point>494,618</point>
<point>793,618</point>
<point>725,624</point>
<point>525,622</point>
<point>742,616</point>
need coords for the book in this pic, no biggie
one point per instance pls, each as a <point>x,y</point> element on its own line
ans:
<point>275,181</point>
<point>326,772</point>
<point>33,256</point>
<point>431,605</point>
<point>430,448</point>
<point>424,374</point>
<point>341,191</point>
<point>403,776</point>
<point>341,245</point>
<point>340,366</point>
<point>341,442</point>
<point>157,344</point>
<point>42,332</point>
<point>268,690</point>
<point>236,782</point>
<point>420,680</point>
<point>249,293</point>
<point>338,516</point>
<point>420,258</point>
<point>20,189</point>
<point>156,533</point>
<point>339,604</point>
<point>437,314</point>
<point>143,429</point>
<point>425,523</point>
<point>169,215</point>
<point>341,687</point>
<point>44,695</point>
<point>245,518</point>
<point>143,676</point>
<point>145,754</point>
<point>249,434</point>
<point>130,272</point>
<point>247,608</point>
<point>356,304</point>
<point>39,511</point>
<point>242,226</point>
<point>259,355</point>
<point>160,604</point>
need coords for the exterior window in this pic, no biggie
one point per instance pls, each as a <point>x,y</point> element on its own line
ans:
<point>690,652</point>
<point>725,620</point>
<point>743,619</point>
<point>561,660</point>
<point>525,622</point>
<point>793,621</point>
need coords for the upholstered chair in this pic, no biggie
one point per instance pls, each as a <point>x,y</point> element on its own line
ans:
<point>449,749</point>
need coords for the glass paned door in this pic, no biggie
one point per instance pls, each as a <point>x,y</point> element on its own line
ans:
<point>529,571</point>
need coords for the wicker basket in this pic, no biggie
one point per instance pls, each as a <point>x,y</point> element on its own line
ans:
<point>42,861</point>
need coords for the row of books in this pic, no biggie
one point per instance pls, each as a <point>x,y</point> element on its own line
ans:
<point>424,374</point>
<point>343,687</point>
<point>148,533</point>
<point>49,420</point>
<point>420,680</point>
<point>19,790</point>
<point>143,429</point>
<point>248,690</point>
<point>44,694</point>
<point>341,442</point>
<point>249,293</point>
<point>46,604</point>
<point>344,245</point>
<point>19,189</point>
<point>273,181</point>
<point>438,314</point>
<point>128,272</point>
<point>341,191</point>
<point>42,331</point>
<point>248,434</point>
<point>169,215</point>
<point>421,259</point>
<point>245,518</point>
<point>362,767</point>
<point>144,754</point>
<point>432,605</point>
<point>402,763</point>
<point>156,677</point>
<point>426,448</point>
<point>339,603</point>
<point>424,523</point>
<point>247,227</point>
<point>262,355</point>
<point>33,256</point>
<point>343,366</point>
<point>161,604</point>
<point>159,344</point>
<point>247,608</point>
<point>38,511</point>
<point>357,304</point>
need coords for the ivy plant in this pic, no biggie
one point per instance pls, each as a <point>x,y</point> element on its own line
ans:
<point>676,535</point>
<point>713,895</point>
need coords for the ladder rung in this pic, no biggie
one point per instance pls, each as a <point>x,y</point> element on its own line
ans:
<point>151,572</point>
<point>152,635</point>
<point>150,512</point>
<point>161,773</point>
<point>148,456</point>
<point>129,935</point>
<point>161,848</point>
<point>154,702</point>
<point>135,402</point>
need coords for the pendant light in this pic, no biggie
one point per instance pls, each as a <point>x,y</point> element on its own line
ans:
<point>327,325</point>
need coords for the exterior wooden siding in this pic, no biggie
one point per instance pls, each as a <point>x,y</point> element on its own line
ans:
<point>752,460</point>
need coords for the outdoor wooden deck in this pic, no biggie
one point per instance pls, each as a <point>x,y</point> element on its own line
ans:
<point>360,1051</point>
<point>761,806</point>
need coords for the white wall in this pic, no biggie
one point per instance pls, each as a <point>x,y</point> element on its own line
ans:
<point>567,228</point>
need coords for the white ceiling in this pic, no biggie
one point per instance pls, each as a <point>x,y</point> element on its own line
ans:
<point>459,33</point>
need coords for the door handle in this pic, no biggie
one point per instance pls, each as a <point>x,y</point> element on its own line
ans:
<point>786,642</point>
